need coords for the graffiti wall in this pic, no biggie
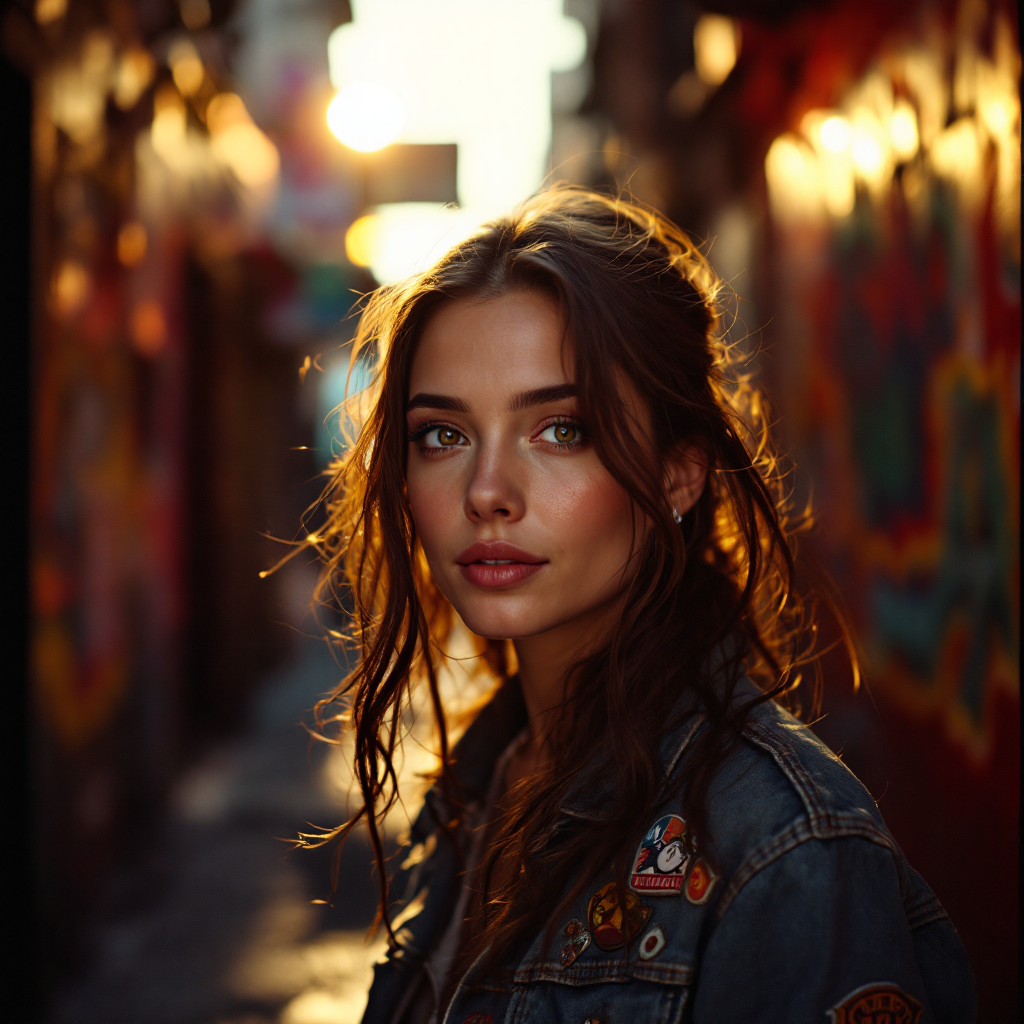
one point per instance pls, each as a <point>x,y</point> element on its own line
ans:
<point>893,200</point>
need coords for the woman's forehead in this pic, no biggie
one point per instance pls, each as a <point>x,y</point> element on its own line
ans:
<point>511,342</point>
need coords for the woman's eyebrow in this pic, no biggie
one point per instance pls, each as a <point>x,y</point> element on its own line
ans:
<point>535,396</point>
<point>538,396</point>
<point>423,400</point>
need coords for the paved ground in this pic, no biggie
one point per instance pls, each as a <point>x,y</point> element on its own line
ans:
<point>217,925</point>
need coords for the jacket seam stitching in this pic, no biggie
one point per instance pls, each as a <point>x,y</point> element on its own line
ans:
<point>789,839</point>
<point>790,767</point>
<point>667,975</point>
<point>922,916</point>
<point>684,744</point>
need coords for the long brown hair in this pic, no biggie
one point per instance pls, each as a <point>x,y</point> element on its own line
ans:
<point>640,302</point>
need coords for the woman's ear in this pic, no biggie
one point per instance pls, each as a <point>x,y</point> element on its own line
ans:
<point>686,474</point>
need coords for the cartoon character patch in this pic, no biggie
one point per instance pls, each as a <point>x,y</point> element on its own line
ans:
<point>614,922</point>
<point>879,1003</point>
<point>700,883</point>
<point>662,859</point>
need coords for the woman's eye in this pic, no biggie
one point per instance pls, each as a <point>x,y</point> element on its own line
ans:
<point>442,437</point>
<point>561,433</point>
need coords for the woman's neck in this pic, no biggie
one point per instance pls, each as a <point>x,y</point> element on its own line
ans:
<point>546,659</point>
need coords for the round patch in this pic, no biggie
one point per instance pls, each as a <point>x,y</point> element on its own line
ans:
<point>661,859</point>
<point>652,943</point>
<point>881,1002</point>
<point>613,923</point>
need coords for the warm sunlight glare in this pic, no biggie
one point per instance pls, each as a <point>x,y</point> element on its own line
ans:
<point>476,73</point>
<point>835,134</point>
<point>366,116</point>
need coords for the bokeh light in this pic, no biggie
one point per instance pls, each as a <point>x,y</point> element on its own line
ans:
<point>186,67</point>
<point>135,71</point>
<point>361,240</point>
<point>903,131</point>
<point>132,243</point>
<point>869,148</point>
<point>957,156</point>
<point>366,116</point>
<point>794,185</point>
<point>716,48</point>
<point>239,144</point>
<point>148,327</point>
<point>835,134</point>
<point>169,125</point>
<point>70,288</point>
<point>876,131</point>
<point>49,11</point>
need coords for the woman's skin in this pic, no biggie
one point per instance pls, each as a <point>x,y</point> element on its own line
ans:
<point>497,455</point>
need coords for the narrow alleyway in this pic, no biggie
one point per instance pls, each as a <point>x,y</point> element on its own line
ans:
<point>217,926</point>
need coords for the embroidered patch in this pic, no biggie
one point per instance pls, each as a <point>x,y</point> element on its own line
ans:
<point>701,882</point>
<point>613,923</point>
<point>574,947</point>
<point>652,943</point>
<point>662,859</point>
<point>882,1002</point>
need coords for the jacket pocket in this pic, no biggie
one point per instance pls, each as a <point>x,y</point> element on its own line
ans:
<point>607,992</point>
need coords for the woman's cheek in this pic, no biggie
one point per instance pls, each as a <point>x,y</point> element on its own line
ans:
<point>589,526</point>
<point>434,509</point>
<point>590,512</point>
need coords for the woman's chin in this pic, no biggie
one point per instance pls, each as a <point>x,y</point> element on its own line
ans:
<point>495,624</point>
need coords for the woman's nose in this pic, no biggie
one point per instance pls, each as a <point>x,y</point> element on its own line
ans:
<point>493,491</point>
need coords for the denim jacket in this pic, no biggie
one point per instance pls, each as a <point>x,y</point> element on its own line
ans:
<point>810,915</point>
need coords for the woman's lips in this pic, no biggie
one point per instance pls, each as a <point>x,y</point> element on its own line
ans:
<point>505,574</point>
<point>495,564</point>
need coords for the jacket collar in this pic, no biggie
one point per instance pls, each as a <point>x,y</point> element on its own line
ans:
<point>490,733</point>
<point>504,717</point>
<point>591,794</point>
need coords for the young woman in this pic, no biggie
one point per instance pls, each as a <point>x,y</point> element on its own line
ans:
<point>558,453</point>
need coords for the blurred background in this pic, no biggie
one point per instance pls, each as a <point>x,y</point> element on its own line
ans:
<point>197,191</point>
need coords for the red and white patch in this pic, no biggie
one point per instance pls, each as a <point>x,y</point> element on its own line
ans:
<point>881,1002</point>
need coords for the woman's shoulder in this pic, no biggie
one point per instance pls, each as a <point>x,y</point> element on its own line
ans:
<point>782,776</point>
<point>780,788</point>
<point>810,890</point>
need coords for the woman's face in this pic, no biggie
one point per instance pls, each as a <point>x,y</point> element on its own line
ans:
<point>523,527</point>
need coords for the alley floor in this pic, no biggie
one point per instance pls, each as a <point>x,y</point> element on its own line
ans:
<point>217,924</point>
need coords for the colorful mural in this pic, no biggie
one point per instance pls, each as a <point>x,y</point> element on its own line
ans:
<point>892,186</point>
<point>927,423</point>
<point>106,509</point>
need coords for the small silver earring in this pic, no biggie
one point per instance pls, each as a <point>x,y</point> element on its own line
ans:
<point>676,516</point>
